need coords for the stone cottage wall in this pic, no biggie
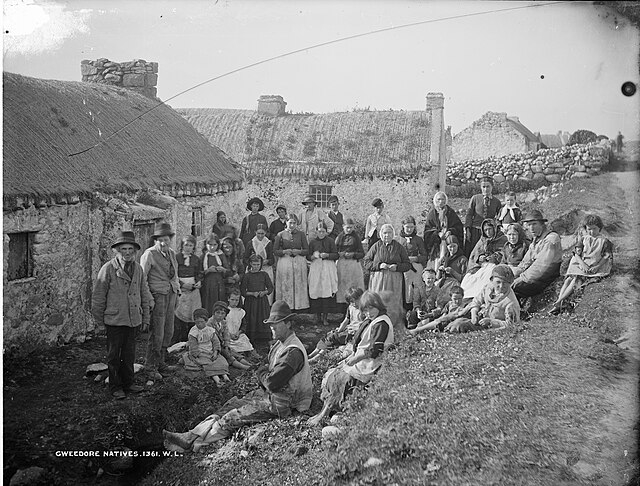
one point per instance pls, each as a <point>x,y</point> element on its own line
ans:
<point>53,305</point>
<point>137,75</point>
<point>491,135</point>
<point>531,169</point>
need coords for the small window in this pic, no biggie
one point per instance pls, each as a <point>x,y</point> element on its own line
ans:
<point>20,260</point>
<point>196,222</point>
<point>322,194</point>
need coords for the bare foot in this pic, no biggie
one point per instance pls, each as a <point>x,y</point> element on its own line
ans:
<point>316,420</point>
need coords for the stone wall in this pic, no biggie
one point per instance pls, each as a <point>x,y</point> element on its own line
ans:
<point>491,135</point>
<point>531,169</point>
<point>137,75</point>
<point>53,305</point>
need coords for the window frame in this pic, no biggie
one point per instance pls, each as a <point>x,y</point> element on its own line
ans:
<point>321,193</point>
<point>196,227</point>
<point>14,270</point>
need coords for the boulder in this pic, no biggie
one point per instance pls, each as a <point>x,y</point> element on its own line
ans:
<point>26,477</point>
<point>579,168</point>
<point>373,462</point>
<point>578,175</point>
<point>498,178</point>
<point>553,177</point>
<point>539,176</point>
<point>330,432</point>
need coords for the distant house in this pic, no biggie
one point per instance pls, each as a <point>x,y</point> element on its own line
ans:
<point>557,140</point>
<point>359,155</point>
<point>68,186</point>
<point>494,134</point>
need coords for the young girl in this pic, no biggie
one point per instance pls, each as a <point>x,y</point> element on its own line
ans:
<point>516,246</point>
<point>452,267</point>
<point>371,341</point>
<point>213,266</point>
<point>256,286</point>
<point>348,266</point>
<point>204,350</point>
<point>417,256</point>
<point>291,248</point>
<point>189,276</point>
<point>495,307</point>
<point>238,340</point>
<point>261,245</point>
<point>251,221</point>
<point>509,213</point>
<point>234,269</point>
<point>592,260</point>
<point>425,300</point>
<point>280,224</point>
<point>451,311</point>
<point>218,323</point>
<point>323,276</point>
<point>347,328</point>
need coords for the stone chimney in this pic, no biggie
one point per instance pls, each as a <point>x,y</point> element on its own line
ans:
<point>272,105</point>
<point>137,75</point>
<point>438,150</point>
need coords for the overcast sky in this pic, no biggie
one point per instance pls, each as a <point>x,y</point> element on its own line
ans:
<point>557,67</point>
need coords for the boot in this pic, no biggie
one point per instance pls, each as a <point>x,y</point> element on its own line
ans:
<point>183,440</point>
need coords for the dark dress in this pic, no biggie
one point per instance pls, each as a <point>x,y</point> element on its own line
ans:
<point>213,288</point>
<point>434,226</point>
<point>477,212</point>
<point>276,227</point>
<point>189,301</point>
<point>338,223</point>
<point>249,225</point>
<point>256,308</point>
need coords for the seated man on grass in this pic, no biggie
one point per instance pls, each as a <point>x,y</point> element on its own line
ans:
<point>285,387</point>
<point>541,264</point>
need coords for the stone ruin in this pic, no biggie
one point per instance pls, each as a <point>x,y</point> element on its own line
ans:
<point>137,75</point>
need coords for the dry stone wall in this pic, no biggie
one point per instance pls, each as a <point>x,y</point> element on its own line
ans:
<point>531,169</point>
<point>137,75</point>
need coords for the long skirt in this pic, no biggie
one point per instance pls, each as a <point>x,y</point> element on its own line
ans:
<point>257,311</point>
<point>336,384</point>
<point>291,281</point>
<point>412,281</point>
<point>389,286</point>
<point>242,344</point>
<point>211,367</point>
<point>323,279</point>
<point>268,269</point>
<point>473,283</point>
<point>349,275</point>
<point>212,290</point>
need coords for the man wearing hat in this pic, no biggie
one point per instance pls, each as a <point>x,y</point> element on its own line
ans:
<point>336,216</point>
<point>120,302</point>
<point>252,220</point>
<point>375,221</point>
<point>161,271</point>
<point>311,216</point>
<point>285,387</point>
<point>541,264</point>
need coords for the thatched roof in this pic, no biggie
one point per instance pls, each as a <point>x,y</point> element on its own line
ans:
<point>46,121</point>
<point>330,145</point>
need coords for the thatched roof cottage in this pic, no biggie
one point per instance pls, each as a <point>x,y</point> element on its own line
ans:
<point>396,155</point>
<point>82,160</point>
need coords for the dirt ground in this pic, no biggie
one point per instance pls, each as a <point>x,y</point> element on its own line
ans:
<point>51,406</point>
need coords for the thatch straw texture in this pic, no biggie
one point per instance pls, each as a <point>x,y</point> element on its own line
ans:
<point>46,121</point>
<point>363,142</point>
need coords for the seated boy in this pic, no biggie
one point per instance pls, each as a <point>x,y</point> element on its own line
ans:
<point>425,300</point>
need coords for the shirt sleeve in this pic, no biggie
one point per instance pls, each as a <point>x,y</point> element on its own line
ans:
<point>290,363</point>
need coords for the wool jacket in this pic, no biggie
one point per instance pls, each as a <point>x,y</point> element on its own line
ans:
<point>119,300</point>
<point>161,272</point>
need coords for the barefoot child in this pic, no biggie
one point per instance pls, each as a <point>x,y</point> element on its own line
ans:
<point>204,350</point>
<point>347,328</point>
<point>238,340</point>
<point>451,311</point>
<point>592,260</point>
<point>218,323</point>
<point>256,286</point>
<point>425,300</point>
<point>496,307</point>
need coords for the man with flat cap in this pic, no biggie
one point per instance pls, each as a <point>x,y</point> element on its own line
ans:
<point>285,386</point>
<point>541,264</point>
<point>120,302</point>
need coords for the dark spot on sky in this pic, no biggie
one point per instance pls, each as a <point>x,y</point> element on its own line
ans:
<point>628,88</point>
<point>542,76</point>
<point>6,31</point>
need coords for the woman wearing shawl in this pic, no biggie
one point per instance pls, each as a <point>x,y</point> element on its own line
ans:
<point>417,256</point>
<point>387,260</point>
<point>442,221</point>
<point>348,266</point>
<point>452,267</point>
<point>484,257</point>
<point>260,245</point>
<point>221,222</point>
<point>234,265</point>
